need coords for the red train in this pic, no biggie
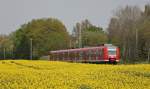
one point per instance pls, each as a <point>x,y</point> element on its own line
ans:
<point>105,53</point>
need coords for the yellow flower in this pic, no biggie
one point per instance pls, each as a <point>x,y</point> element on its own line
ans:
<point>25,74</point>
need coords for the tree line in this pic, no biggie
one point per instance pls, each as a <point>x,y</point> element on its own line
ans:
<point>127,29</point>
<point>44,35</point>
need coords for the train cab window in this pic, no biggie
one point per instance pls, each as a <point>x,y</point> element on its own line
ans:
<point>112,51</point>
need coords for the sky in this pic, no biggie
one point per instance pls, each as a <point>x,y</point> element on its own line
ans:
<point>14,13</point>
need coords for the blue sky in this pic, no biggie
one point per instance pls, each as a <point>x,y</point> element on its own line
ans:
<point>14,13</point>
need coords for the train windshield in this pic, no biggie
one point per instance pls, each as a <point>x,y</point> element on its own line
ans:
<point>112,51</point>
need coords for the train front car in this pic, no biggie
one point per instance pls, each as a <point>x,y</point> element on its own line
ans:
<point>112,54</point>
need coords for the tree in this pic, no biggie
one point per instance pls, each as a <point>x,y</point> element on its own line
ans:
<point>88,34</point>
<point>144,33</point>
<point>6,47</point>
<point>144,40</point>
<point>147,10</point>
<point>47,34</point>
<point>94,36</point>
<point>123,31</point>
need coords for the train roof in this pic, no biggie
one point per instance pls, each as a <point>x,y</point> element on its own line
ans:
<point>83,49</point>
<point>74,50</point>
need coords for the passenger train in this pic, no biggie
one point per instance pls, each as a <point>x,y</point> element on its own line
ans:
<point>106,53</point>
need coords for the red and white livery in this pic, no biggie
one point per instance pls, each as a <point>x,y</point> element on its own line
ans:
<point>105,53</point>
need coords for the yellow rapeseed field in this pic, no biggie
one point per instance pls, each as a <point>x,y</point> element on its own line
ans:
<point>23,74</point>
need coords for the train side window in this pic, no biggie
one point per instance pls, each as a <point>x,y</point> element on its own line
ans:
<point>57,56</point>
<point>75,55</point>
<point>93,53</point>
<point>54,56</point>
<point>97,52</point>
<point>81,55</point>
<point>89,54</point>
<point>51,56</point>
<point>100,52</point>
<point>71,55</point>
<point>84,54</point>
<point>78,55</point>
<point>60,56</point>
<point>65,55</point>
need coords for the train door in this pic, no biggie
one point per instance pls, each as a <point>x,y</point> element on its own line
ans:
<point>99,53</point>
<point>105,54</point>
